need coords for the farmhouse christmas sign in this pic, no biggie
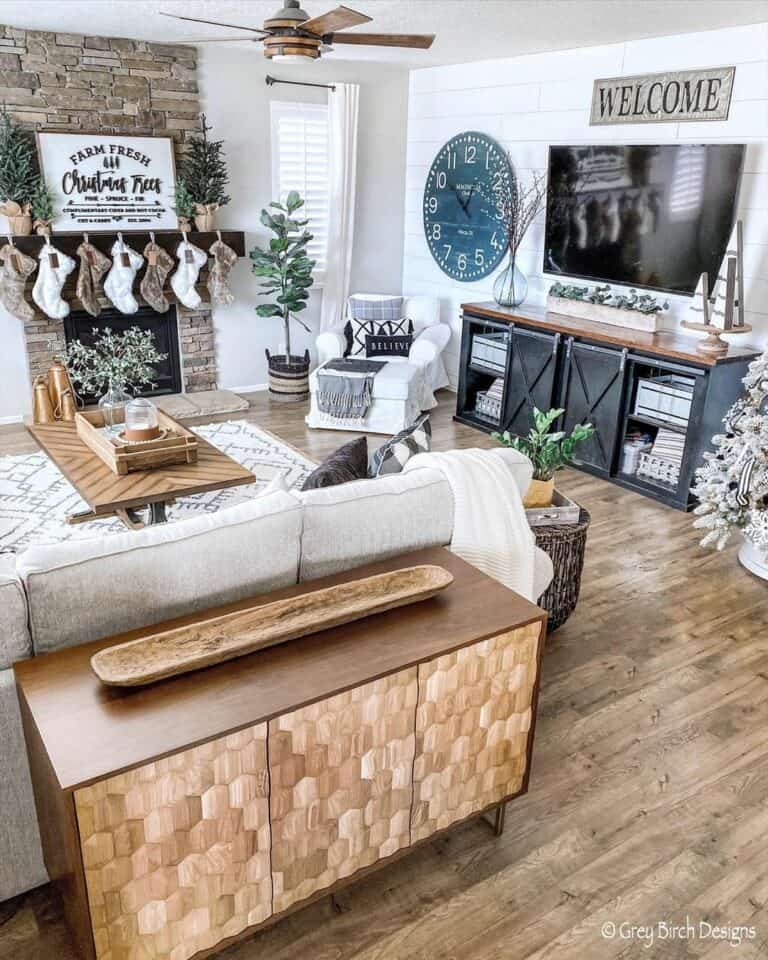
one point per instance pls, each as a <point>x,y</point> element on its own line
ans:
<point>663,97</point>
<point>109,183</point>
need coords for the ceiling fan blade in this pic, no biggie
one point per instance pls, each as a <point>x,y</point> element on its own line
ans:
<point>338,19</point>
<point>419,41</point>
<point>215,23</point>
<point>193,43</point>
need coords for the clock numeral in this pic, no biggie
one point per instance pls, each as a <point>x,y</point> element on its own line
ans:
<point>479,258</point>
<point>470,153</point>
<point>487,159</point>
<point>494,242</point>
<point>442,180</point>
<point>435,231</point>
<point>432,204</point>
<point>447,247</point>
<point>461,261</point>
<point>451,159</point>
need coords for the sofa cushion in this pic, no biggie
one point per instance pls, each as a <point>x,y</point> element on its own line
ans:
<point>393,455</point>
<point>85,590</point>
<point>15,643</point>
<point>349,462</point>
<point>370,520</point>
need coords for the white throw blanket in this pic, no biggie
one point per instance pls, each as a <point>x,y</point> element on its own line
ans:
<point>490,529</point>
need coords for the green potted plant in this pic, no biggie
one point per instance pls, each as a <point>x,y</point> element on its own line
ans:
<point>42,208</point>
<point>205,176</point>
<point>112,365</point>
<point>286,274</point>
<point>18,174</point>
<point>547,452</point>
<point>183,205</point>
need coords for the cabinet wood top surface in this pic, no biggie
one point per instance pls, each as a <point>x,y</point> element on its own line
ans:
<point>665,343</point>
<point>90,730</point>
<point>104,491</point>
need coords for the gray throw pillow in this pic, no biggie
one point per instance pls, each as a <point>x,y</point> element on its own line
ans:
<point>349,462</point>
<point>393,455</point>
<point>372,317</point>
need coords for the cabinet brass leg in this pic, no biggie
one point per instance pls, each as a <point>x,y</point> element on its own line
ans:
<point>498,820</point>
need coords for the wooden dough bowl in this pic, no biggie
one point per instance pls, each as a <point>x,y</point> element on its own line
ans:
<point>173,652</point>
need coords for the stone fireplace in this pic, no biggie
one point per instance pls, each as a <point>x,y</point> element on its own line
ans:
<point>73,82</point>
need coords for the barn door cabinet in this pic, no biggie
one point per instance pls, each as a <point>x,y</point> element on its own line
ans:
<point>181,816</point>
<point>593,371</point>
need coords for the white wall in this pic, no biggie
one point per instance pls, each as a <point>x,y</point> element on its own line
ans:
<point>236,99</point>
<point>530,102</point>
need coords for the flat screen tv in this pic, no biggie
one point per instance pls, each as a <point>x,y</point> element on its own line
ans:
<point>641,216</point>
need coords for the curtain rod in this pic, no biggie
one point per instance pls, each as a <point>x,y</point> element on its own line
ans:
<point>299,83</point>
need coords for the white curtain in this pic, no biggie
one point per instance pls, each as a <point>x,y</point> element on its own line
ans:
<point>342,157</point>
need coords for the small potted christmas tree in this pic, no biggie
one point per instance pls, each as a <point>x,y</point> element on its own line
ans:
<point>286,272</point>
<point>18,175</point>
<point>204,175</point>
<point>42,209</point>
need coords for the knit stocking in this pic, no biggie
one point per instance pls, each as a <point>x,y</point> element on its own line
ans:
<point>16,267</point>
<point>93,265</point>
<point>191,261</point>
<point>126,263</point>
<point>159,265</point>
<point>224,258</point>
<point>55,267</point>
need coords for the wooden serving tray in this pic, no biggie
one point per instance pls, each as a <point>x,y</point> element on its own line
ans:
<point>179,445</point>
<point>173,652</point>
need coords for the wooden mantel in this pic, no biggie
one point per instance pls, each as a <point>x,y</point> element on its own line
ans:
<point>167,239</point>
<point>665,343</point>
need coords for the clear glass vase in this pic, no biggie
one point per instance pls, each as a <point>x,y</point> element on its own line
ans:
<point>112,407</point>
<point>511,287</point>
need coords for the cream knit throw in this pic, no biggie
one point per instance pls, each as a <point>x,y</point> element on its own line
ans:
<point>490,529</point>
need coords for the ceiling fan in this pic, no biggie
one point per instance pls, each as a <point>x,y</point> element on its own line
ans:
<point>291,34</point>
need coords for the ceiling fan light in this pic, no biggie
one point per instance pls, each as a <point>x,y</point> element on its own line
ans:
<point>292,58</point>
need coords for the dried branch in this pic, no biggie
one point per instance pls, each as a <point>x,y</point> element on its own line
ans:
<point>518,206</point>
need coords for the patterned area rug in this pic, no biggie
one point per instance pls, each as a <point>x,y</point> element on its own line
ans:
<point>35,498</point>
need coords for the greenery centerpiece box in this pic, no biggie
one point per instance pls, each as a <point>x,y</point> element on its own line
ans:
<point>548,452</point>
<point>114,364</point>
<point>633,310</point>
<point>285,271</point>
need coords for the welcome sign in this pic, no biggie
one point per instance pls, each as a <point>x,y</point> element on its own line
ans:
<point>101,182</point>
<point>663,97</point>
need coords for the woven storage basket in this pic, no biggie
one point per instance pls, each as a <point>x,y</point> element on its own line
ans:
<point>565,544</point>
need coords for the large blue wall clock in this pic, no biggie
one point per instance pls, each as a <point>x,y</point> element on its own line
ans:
<point>461,219</point>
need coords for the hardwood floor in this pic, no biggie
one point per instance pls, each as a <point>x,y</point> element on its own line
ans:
<point>649,794</point>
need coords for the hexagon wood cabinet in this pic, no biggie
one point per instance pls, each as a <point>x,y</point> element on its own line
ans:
<point>178,817</point>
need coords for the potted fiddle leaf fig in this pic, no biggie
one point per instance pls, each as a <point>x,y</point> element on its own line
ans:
<point>548,452</point>
<point>285,272</point>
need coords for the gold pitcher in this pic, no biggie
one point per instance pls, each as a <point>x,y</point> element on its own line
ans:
<point>42,408</point>
<point>66,409</point>
<point>58,383</point>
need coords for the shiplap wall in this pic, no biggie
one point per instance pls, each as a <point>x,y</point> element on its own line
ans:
<point>529,102</point>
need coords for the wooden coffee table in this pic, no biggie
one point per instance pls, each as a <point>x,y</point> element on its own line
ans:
<point>108,494</point>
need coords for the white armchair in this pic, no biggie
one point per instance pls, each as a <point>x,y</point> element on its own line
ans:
<point>406,385</point>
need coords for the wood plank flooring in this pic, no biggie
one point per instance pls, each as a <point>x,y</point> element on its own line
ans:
<point>649,793</point>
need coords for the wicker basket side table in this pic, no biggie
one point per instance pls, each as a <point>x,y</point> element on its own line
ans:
<point>565,544</point>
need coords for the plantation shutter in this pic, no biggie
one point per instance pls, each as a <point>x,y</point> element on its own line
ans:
<point>300,162</point>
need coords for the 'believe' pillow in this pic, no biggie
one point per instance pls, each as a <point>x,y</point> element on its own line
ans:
<point>376,313</point>
<point>386,346</point>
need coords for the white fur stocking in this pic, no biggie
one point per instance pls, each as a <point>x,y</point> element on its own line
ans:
<point>55,267</point>
<point>118,286</point>
<point>191,261</point>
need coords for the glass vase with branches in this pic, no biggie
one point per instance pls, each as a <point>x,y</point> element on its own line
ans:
<point>517,206</point>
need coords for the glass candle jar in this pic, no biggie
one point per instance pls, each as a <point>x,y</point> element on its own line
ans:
<point>141,421</point>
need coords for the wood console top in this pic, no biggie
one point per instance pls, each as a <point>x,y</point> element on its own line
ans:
<point>665,343</point>
<point>91,731</point>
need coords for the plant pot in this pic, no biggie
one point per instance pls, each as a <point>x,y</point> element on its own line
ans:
<point>42,228</point>
<point>753,559</point>
<point>204,222</point>
<point>288,377</point>
<point>21,226</point>
<point>539,493</point>
<point>184,224</point>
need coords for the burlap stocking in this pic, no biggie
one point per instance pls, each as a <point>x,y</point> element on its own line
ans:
<point>224,258</point>
<point>16,268</point>
<point>54,269</point>
<point>93,265</point>
<point>191,261</point>
<point>159,265</point>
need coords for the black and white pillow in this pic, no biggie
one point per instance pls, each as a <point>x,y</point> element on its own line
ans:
<point>373,318</point>
<point>393,455</point>
<point>387,346</point>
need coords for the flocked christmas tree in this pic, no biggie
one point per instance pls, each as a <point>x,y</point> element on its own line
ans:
<point>18,163</point>
<point>732,485</point>
<point>204,170</point>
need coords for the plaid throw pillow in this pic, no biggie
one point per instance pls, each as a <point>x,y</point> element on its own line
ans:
<point>392,456</point>
<point>372,317</point>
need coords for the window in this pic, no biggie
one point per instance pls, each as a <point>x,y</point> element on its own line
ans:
<point>300,162</point>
